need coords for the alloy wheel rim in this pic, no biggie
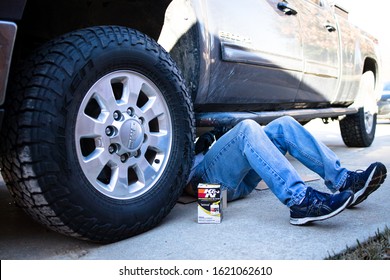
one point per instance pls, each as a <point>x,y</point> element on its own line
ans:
<point>123,135</point>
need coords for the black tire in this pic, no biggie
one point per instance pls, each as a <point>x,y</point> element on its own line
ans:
<point>98,137</point>
<point>358,130</point>
<point>355,130</point>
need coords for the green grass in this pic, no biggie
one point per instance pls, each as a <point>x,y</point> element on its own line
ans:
<point>375,248</point>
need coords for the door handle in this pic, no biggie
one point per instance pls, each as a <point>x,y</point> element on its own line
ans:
<point>286,8</point>
<point>330,28</point>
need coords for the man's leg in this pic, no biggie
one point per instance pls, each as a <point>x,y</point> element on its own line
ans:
<point>290,136</point>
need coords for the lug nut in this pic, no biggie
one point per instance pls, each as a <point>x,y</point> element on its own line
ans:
<point>109,131</point>
<point>117,115</point>
<point>111,149</point>
<point>124,157</point>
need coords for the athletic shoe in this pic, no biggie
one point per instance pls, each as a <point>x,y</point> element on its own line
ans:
<point>318,206</point>
<point>363,183</point>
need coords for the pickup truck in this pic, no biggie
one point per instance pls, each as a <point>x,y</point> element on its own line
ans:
<point>101,101</point>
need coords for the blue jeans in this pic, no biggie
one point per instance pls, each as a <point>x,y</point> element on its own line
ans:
<point>249,153</point>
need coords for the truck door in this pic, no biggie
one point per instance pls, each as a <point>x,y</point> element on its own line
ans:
<point>320,51</point>
<point>256,53</point>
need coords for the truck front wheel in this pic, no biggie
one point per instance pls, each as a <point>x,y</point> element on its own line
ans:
<point>99,134</point>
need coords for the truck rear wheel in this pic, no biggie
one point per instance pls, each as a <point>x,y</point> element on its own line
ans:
<point>99,134</point>
<point>358,130</point>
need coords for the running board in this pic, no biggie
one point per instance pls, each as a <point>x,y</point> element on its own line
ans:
<point>229,119</point>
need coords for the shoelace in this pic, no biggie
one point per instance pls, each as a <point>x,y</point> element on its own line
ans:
<point>316,202</point>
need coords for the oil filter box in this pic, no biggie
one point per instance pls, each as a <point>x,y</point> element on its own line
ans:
<point>210,203</point>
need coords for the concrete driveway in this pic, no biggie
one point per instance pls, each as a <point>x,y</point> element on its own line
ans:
<point>256,227</point>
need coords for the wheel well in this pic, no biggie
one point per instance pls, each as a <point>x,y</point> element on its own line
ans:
<point>45,19</point>
<point>371,65</point>
<point>186,54</point>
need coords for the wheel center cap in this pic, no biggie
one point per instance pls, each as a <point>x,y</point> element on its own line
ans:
<point>132,135</point>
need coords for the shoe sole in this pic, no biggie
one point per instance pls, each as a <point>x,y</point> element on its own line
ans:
<point>305,220</point>
<point>378,176</point>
